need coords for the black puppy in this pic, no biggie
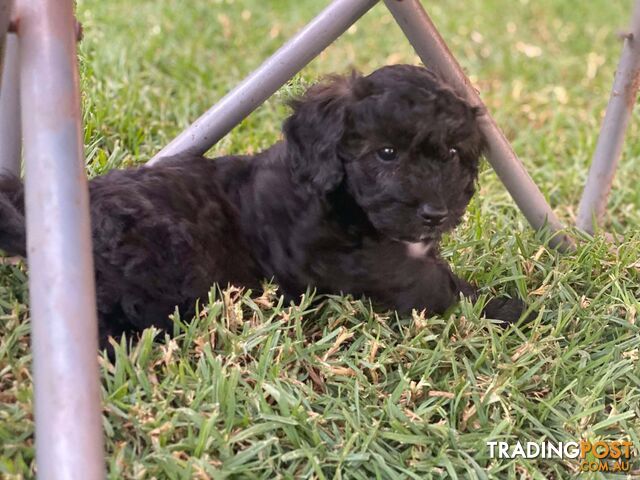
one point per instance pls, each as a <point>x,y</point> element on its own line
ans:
<point>371,172</point>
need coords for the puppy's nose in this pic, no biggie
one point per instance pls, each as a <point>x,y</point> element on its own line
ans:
<point>432,216</point>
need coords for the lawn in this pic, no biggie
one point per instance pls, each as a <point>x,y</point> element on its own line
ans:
<point>254,388</point>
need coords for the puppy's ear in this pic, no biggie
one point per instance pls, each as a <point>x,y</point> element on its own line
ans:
<point>314,131</point>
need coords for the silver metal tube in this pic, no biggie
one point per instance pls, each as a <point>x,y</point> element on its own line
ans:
<point>610,142</point>
<point>10,134</point>
<point>61,280</point>
<point>6,8</point>
<point>267,79</point>
<point>429,45</point>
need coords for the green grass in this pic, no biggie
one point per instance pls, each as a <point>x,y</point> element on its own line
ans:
<point>257,389</point>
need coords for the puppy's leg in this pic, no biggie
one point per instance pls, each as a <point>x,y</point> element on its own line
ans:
<point>405,277</point>
<point>12,221</point>
<point>507,310</point>
<point>422,280</point>
<point>434,287</point>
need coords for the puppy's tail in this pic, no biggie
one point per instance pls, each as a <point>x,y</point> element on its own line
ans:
<point>12,222</point>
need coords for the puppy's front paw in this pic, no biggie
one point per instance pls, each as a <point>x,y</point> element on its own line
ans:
<point>507,310</point>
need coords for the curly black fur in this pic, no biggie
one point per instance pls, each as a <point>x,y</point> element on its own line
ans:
<point>323,208</point>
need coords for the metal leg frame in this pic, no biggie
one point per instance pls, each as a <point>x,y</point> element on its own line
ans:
<point>6,8</point>
<point>330,24</point>
<point>431,48</point>
<point>61,282</point>
<point>267,79</point>
<point>10,135</point>
<point>609,146</point>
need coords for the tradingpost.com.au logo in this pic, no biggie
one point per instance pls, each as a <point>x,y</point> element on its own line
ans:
<point>598,456</point>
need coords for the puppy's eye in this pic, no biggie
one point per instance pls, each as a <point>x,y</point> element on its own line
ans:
<point>453,153</point>
<point>387,154</point>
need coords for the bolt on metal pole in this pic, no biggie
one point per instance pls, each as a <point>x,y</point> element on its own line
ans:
<point>61,281</point>
<point>10,134</point>
<point>332,22</point>
<point>432,49</point>
<point>609,147</point>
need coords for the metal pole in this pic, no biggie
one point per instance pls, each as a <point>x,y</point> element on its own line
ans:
<point>614,125</point>
<point>9,105</point>
<point>61,282</point>
<point>6,7</point>
<point>268,78</point>
<point>433,51</point>
<point>10,135</point>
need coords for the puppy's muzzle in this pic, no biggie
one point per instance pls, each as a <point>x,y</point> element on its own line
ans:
<point>432,216</point>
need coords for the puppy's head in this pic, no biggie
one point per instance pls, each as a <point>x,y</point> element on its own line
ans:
<point>404,144</point>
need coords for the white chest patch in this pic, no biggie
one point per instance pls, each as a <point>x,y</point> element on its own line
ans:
<point>418,249</point>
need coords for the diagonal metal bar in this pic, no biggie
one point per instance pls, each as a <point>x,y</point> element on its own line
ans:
<point>610,142</point>
<point>10,134</point>
<point>430,46</point>
<point>268,78</point>
<point>61,281</point>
